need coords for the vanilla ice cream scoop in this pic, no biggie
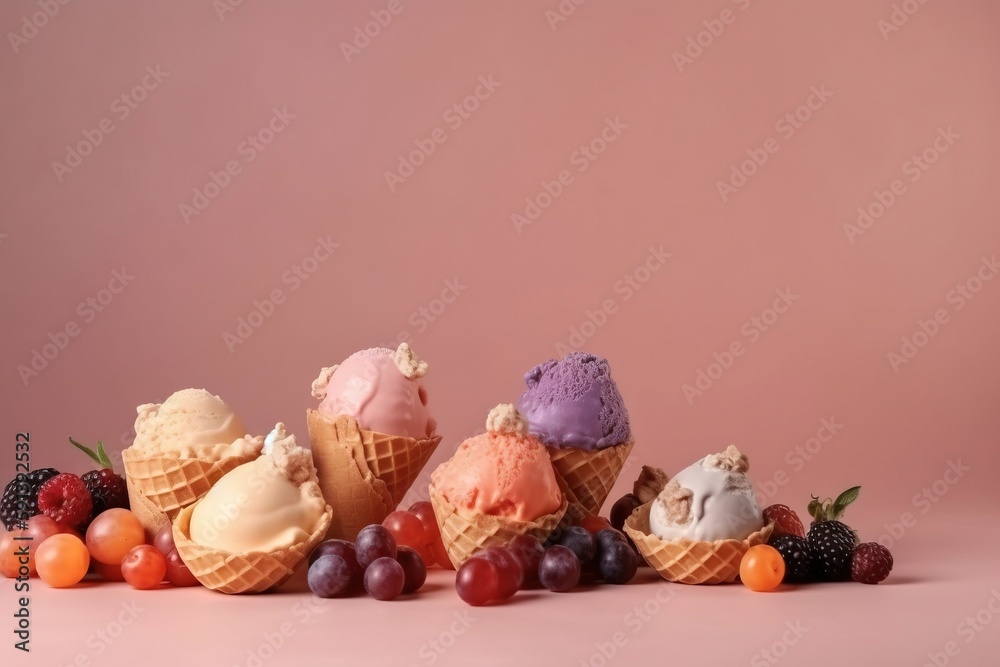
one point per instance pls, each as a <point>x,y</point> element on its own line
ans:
<point>707,501</point>
<point>191,423</point>
<point>270,503</point>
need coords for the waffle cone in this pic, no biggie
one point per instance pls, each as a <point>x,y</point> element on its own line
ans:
<point>159,487</point>
<point>589,475</point>
<point>464,533</point>
<point>690,561</point>
<point>363,474</point>
<point>233,573</point>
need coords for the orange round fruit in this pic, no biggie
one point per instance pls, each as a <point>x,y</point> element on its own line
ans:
<point>62,560</point>
<point>762,568</point>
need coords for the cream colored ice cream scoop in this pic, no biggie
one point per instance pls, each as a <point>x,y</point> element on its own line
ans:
<point>269,503</point>
<point>191,423</point>
<point>707,501</point>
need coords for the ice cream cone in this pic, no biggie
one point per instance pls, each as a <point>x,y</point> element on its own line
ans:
<point>588,474</point>
<point>159,487</point>
<point>234,573</point>
<point>464,533</point>
<point>363,474</point>
<point>690,561</point>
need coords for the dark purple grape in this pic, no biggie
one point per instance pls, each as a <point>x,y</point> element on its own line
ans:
<point>607,536</point>
<point>374,542</point>
<point>510,575</point>
<point>618,562</point>
<point>528,551</point>
<point>559,569</point>
<point>579,541</point>
<point>622,508</point>
<point>384,579</point>
<point>477,581</point>
<point>330,576</point>
<point>414,568</point>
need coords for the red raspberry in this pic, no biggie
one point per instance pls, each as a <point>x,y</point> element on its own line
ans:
<point>66,499</point>
<point>786,521</point>
<point>871,563</point>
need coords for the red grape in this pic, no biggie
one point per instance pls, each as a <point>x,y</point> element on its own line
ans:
<point>510,575</point>
<point>593,524</point>
<point>178,573</point>
<point>144,567</point>
<point>617,562</point>
<point>345,550</point>
<point>384,579</point>
<point>425,512</point>
<point>374,542</point>
<point>107,572</point>
<point>414,569</point>
<point>622,509</point>
<point>580,542</point>
<point>330,576</point>
<point>477,581</point>
<point>559,569</point>
<point>441,555</point>
<point>528,551</point>
<point>407,528</point>
<point>164,539</point>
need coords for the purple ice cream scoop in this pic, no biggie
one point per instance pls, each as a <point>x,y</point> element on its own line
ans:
<point>575,403</point>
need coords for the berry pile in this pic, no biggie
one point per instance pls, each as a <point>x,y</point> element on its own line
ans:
<point>590,552</point>
<point>830,550</point>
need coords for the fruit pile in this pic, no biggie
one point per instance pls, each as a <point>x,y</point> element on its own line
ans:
<point>590,553</point>
<point>830,551</point>
<point>385,561</point>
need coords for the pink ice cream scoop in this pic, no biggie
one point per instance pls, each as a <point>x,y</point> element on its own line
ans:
<point>381,389</point>
<point>504,472</point>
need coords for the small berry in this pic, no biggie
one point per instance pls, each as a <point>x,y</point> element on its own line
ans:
<point>66,499</point>
<point>23,490</point>
<point>795,552</point>
<point>107,489</point>
<point>871,563</point>
<point>831,544</point>
<point>786,521</point>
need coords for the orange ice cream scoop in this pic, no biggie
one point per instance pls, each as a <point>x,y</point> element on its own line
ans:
<point>504,472</point>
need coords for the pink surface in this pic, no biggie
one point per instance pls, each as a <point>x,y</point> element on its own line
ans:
<point>776,220</point>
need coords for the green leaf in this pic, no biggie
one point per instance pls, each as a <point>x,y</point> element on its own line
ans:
<point>815,508</point>
<point>845,499</point>
<point>100,457</point>
<point>105,459</point>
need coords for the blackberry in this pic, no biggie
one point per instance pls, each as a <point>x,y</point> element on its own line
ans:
<point>797,555</point>
<point>28,485</point>
<point>107,489</point>
<point>831,545</point>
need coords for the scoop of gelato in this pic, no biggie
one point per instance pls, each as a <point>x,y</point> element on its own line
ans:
<point>191,423</point>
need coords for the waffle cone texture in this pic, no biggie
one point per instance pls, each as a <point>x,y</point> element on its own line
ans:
<point>690,561</point>
<point>363,474</point>
<point>160,487</point>
<point>465,533</point>
<point>235,573</point>
<point>589,475</point>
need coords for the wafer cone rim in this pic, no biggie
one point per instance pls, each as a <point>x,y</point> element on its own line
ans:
<point>206,562</point>
<point>651,547</point>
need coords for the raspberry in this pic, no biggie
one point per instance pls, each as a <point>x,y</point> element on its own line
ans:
<point>107,489</point>
<point>795,552</point>
<point>66,499</point>
<point>23,489</point>
<point>786,521</point>
<point>871,563</point>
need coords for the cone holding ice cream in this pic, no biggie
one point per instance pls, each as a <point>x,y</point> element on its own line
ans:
<point>371,434</point>
<point>498,485</point>
<point>574,407</point>
<point>181,448</point>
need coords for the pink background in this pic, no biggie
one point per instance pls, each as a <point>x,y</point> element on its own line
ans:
<point>523,291</point>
